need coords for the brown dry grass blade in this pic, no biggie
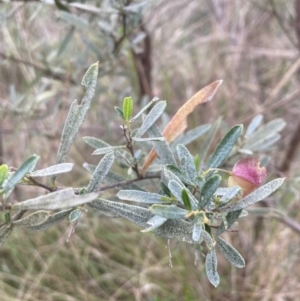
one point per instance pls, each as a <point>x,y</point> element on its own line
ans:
<point>179,122</point>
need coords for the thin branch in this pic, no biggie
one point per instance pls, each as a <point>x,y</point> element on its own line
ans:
<point>126,182</point>
<point>36,183</point>
<point>45,72</point>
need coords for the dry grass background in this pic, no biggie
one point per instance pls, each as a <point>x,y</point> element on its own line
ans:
<point>253,48</point>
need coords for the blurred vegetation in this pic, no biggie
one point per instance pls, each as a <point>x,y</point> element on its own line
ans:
<point>161,48</point>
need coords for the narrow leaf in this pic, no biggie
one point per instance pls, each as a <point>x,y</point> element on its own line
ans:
<point>177,172</point>
<point>164,152</point>
<point>178,123</point>
<point>52,170</point>
<point>187,164</point>
<point>120,112</point>
<point>264,143</point>
<point>140,196</point>
<point>230,194</point>
<point>33,219</point>
<point>269,129</point>
<point>230,253</point>
<point>75,215</point>
<point>256,196</point>
<point>3,173</point>
<point>192,135</point>
<point>77,114</point>
<point>254,124</point>
<point>224,147</point>
<point>208,140</point>
<point>186,200</point>
<point>109,149</point>
<point>197,229</point>
<point>155,222</point>
<point>94,142</point>
<point>231,217</point>
<point>51,221</point>
<point>56,200</point>
<point>176,189</point>
<point>100,172</point>
<point>171,229</point>
<point>169,212</point>
<point>148,105</point>
<point>211,268</point>
<point>165,189</point>
<point>26,167</point>
<point>150,119</point>
<point>127,108</point>
<point>208,189</point>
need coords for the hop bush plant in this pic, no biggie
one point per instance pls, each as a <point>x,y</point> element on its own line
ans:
<point>191,202</point>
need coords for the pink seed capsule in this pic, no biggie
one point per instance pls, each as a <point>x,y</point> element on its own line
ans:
<point>247,174</point>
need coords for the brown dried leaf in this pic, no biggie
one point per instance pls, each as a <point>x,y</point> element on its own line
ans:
<point>179,121</point>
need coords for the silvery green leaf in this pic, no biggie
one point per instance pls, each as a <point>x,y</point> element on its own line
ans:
<point>3,173</point>
<point>150,119</point>
<point>208,190</point>
<point>101,171</point>
<point>176,189</point>
<point>211,268</point>
<point>229,220</point>
<point>230,253</point>
<point>171,229</point>
<point>140,196</point>
<point>51,221</point>
<point>52,170</point>
<point>177,172</point>
<point>192,135</point>
<point>155,222</point>
<point>208,139</point>
<point>94,142</point>
<point>162,148</point>
<point>256,196</point>
<point>187,162</point>
<point>60,199</point>
<point>27,166</point>
<point>182,152</point>
<point>264,143</point>
<point>77,114</point>
<point>75,215</point>
<point>169,212</point>
<point>148,139</point>
<point>269,129</point>
<point>224,147</point>
<point>254,124</point>
<point>108,149</point>
<point>229,194</point>
<point>33,219</point>
<point>148,105</point>
<point>197,229</point>
<point>199,182</point>
<point>127,108</point>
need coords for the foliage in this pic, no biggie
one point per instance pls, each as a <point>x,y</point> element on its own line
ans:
<point>190,203</point>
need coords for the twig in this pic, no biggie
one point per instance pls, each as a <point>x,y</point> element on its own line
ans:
<point>36,183</point>
<point>45,72</point>
<point>126,182</point>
